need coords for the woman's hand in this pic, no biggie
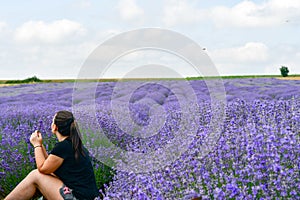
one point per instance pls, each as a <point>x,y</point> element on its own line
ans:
<point>36,138</point>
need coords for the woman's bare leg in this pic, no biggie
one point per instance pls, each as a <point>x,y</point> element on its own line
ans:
<point>48,185</point>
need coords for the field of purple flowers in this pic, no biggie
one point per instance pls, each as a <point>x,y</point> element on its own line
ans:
<point>257,155</point>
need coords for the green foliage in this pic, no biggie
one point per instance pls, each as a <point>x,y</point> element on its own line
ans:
<point>104,174</point>
<point>33,79</point>
<point>284,71</point>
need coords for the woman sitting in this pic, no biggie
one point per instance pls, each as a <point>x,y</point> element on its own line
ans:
<point>66,173</point>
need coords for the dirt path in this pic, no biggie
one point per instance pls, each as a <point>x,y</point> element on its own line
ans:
<point>290,78</point>
<point>7,85</point>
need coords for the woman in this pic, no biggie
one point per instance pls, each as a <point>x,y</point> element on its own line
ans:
<point>66,173</point>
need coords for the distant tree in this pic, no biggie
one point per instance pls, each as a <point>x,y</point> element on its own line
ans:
<point>284,71</point>
<point>33,79</point>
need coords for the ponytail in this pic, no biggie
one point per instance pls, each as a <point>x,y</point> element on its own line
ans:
<point>76,140</point>
<point>68,127</point>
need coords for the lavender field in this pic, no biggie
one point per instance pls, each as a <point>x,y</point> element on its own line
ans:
<point>256,156</point>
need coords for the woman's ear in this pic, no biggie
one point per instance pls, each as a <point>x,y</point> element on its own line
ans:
<point>53,128</point>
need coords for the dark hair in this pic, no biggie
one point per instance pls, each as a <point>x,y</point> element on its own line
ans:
<point>67,126</point>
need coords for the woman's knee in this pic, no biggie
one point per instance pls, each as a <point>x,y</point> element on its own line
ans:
<point>35,175</point>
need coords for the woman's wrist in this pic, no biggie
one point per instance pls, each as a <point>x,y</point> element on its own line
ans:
<point>39,145</point>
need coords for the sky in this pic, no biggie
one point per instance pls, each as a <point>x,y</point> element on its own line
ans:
<point>53,39</point>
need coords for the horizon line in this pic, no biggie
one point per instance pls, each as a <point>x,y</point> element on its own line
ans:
<point>149,78</point>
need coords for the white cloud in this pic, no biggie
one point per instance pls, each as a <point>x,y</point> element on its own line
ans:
<point>49,61</point>
<point>130,11</point>
<point>3,26</point>
<point>54,32</point>
<point>243,14</point>
<point>283,55</point>
<point>256,58</point>
<point>58,60</point>
<point>150,64</point>
<point>247,59</point>
<point>252,52</point>
<point>180,12</point>
<point>250,14</point>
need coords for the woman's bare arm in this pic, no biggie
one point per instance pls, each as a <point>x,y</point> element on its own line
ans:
<point>44,151</point>
<point>46,165</point>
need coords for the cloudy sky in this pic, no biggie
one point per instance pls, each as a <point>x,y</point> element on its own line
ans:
<point>53,39</point>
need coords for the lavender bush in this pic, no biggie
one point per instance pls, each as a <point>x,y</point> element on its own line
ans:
<point>256,156</point>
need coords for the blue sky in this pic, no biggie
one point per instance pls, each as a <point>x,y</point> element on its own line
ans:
<point>53,39</point>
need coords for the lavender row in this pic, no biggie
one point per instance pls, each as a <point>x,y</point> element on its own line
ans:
<point>255,156</point>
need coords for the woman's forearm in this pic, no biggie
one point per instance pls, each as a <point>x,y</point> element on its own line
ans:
<point>39,156</point>
<point>45,152</point>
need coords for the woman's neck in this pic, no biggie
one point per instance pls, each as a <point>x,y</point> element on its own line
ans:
<point>60,137</point>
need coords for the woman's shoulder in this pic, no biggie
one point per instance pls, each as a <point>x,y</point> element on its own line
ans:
<point>65,142</point>
<point>63,145</point>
